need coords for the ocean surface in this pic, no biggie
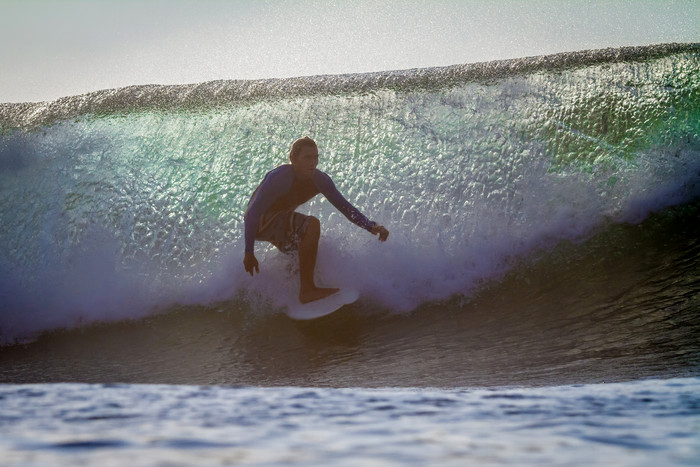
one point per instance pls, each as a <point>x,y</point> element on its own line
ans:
<point>647,423</point>
<point>537,301</point>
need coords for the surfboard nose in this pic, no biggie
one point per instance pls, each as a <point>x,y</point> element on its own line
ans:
<point>324,306</point>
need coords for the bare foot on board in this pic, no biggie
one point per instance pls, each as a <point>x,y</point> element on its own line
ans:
<point>317,293</point>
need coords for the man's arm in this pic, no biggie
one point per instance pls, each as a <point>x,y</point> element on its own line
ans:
<point>274,185</point>
<point>325,185</point>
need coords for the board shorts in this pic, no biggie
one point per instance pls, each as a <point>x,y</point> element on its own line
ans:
<point>283,229</point>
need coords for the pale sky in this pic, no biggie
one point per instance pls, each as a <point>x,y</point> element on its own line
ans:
<point>55,48</point>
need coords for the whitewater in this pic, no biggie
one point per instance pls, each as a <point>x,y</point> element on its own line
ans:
<point>537,300</point>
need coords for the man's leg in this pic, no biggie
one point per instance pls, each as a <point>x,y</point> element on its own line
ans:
<point>308,249</point>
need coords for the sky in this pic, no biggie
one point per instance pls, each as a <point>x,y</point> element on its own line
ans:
<point>55,48</point>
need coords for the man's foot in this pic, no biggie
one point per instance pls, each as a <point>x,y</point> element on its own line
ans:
<point>317,293</point>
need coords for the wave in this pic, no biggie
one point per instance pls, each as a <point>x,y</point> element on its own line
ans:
<point>122,203</point>
<point>621,306</point>
<point>227,92</point>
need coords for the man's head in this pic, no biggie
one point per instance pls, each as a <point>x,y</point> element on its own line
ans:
<point>304,157</point>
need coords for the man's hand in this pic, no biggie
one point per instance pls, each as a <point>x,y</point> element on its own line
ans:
<point>381,231</point>
<point>250,263</point>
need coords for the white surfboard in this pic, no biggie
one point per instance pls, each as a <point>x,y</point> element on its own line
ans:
<point>324,306</point>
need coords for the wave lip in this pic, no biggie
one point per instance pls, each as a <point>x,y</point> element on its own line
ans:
<point>226,92</point>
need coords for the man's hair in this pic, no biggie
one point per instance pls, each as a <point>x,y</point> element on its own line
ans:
<point>299,144</point>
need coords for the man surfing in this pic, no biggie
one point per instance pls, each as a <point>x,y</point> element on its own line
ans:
<point>271,215</point>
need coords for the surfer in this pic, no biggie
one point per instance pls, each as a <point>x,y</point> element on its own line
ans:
<point>271,215</point>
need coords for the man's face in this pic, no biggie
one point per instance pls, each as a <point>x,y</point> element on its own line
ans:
<point>305,162</point>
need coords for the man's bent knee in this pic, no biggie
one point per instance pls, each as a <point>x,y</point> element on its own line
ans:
<point>313,227</point>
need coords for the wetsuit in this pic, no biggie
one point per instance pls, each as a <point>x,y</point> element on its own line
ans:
<point>282,192</point>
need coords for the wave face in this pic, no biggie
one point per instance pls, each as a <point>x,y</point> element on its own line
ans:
<point>113,207</point>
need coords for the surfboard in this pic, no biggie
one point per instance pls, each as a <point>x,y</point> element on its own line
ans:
<point>324,306</point>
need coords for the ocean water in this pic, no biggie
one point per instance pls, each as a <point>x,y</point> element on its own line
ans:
<point>537,301</point>
<point>654,422</point>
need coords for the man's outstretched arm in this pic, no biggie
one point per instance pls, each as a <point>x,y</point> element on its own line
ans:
<point>326,186</point>
<point>273,185</point>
